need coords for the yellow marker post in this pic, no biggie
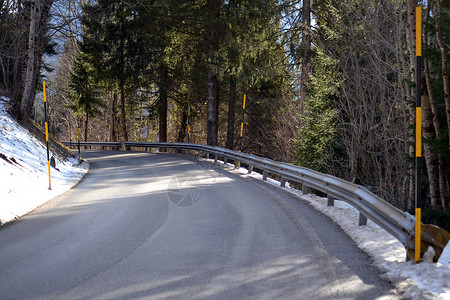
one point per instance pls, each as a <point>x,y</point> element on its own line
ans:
<point>189,123</point>
<point>46,139</point>
<point>238,165</point>
<point>189,127</point>
<point>78,126</point>
<point>242,123</point>
<point>418,132</point>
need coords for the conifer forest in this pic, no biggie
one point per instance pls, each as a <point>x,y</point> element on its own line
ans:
<point>330,85</point>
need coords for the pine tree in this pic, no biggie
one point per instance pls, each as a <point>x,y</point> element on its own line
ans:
<point>111,39</point>
<point>84,92</point>
<point>318,121</point>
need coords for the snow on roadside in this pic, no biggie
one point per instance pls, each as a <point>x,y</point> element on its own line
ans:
<point>24,171</point>
<point>426,280</point>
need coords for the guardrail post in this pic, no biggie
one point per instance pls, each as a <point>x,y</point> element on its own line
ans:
<point>265,175</point>
<point>199,153</point>
<point>216,157</point>
<point>330,201</point>
<point>362,219</point>
<point>283,182</point>
<point>225,160</point>
<point>250,169</point>
<point>305,189</point>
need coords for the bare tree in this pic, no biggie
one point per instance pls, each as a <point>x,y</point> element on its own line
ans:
<point>39,15</point>
<point>443,51</point>
<point>372,117</point>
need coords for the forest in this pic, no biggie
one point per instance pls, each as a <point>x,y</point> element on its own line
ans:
<point>329,85</point>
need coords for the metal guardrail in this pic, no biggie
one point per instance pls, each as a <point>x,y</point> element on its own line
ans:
<point>102,145</point>
<point>399,224</point>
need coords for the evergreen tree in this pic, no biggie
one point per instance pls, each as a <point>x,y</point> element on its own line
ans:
<point>84,92</point>
<point>111,38</point>
<point>318,121</point>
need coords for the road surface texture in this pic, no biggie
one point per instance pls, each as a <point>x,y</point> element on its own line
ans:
<point>167,226</point>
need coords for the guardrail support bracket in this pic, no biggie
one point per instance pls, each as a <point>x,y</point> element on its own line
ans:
<point>330,201</point>
<point>362,219</point>
<point>305,189</point>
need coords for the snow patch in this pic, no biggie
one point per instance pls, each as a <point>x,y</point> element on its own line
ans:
<point>24,170</point>
<point>445,256</point>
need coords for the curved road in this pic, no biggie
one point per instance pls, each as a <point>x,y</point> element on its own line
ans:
<point>166,226</point>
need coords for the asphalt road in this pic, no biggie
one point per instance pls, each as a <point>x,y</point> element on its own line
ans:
<point>166,226</point>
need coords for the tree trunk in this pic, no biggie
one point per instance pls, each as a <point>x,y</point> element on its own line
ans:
<point>39,14</point>
<point>122,58</point>
<point>163,92</point>
<point>212,110</point>
<point>17,80</point>
<point>410,41</point>
<point>123,117</point>
<point>26,104</point>
<point>231,114</point>
<point>436,123</point>
<point>182,131</point>
<point>444,63</point>
<point>86,123</point>
<point>305,48</point>
<point>213,12</point>
<point>432,168</point>
<point>411,36</point>
<point>113,137</point>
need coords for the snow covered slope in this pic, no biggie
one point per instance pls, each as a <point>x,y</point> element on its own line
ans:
<point>23,170</point>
